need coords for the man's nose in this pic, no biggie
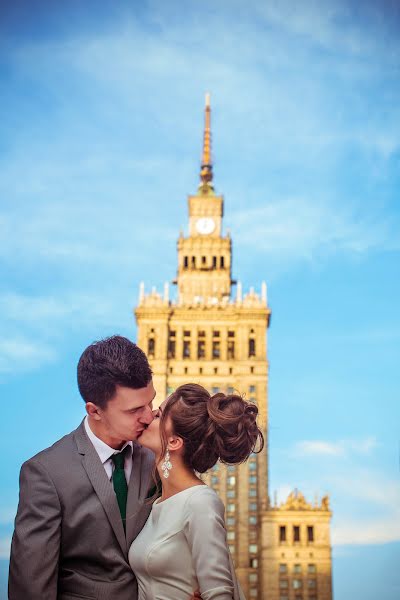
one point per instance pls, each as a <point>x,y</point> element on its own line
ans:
<point>148,416</point>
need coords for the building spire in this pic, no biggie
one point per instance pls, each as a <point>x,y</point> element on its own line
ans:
<point>206,174</point>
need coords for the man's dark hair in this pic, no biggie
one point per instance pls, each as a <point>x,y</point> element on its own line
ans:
<point>108,363</point>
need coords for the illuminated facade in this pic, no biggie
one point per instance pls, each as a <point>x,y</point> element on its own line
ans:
<point>218,339</point>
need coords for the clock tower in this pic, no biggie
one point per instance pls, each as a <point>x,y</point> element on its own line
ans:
<point>205,256</point>
<point>209,336</point>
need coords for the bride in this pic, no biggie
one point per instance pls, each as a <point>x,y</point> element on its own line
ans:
<point>183,545</point>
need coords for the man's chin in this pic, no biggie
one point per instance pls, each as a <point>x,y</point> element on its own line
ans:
<point>139,436</point>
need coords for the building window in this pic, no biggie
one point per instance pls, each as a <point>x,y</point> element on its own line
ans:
<point>186,348</point>
<point>252,506</point>
<point>296,568</point>
<point>252,466</point>
<point>230,370</point>
<point>312,569</point>
<point>253,577</point>
<point>231,480</point>
<point>201,349</point>
<point>231,548</point>
<point>201,370</point>
<point>230,535</point>
<point>171,348</point>
<point>201,334</point>
<point>312,584</point>
<point>310,533</point>
<point>214,480</point>
<point>186,370</point>
<point>252,493</point>
<point>203,260</point>
<point>231,349</point>
<point>215,389</point>
<point>214,262</point>
<point>253,548</point>
<point>296,584</point>
<point>253,593</point>
<point>215,370</point>
<point>216,349</point>
<point>252,347</point>
<point>151,347</point>
<point>231,507</point>
<point>171,370</point>
<point>193,262</point>
<point>185,262</point>
<point>296,533</point>
<point>251,369</point>
<point>231,468</point>
<point>282,533</point>
<point>222,262</point>
<point>230,521</point>
<point>216,334</point>
<point>253,563</point>
<point>253,534</point>
<point>230,494</point>
<point>252,389</point>
<point>283,597</point>
<point>253,520</point>
<point>230,390</point>
<point>282,568</point>
<point>253,479</point>
<point>283,583</point>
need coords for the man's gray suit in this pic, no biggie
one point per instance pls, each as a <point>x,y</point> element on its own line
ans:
<point>69,541</point>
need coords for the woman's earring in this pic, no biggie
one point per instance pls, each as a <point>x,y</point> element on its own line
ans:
<point>166,465</point>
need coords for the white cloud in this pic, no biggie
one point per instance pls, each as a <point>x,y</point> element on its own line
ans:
<point>20,354</point>
<point>368,488</point>
<point>319,448</point>
<point>305,229</point>
<point>371,531</point>
<point>339,448</point>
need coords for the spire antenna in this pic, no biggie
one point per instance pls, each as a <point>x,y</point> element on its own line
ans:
<point>206,174</point>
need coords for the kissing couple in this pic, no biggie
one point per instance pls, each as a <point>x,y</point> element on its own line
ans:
<point>116,510</point>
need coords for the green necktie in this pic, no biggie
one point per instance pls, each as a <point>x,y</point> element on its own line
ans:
<point>119,482</point>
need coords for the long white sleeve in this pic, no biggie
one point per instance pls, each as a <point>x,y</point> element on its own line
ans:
<point>206,535</point>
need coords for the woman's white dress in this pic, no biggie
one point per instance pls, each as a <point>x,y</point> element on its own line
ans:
<point>182,547</point>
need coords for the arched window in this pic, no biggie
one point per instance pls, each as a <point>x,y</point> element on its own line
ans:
<point>252,347</point>
<point>151,347</point>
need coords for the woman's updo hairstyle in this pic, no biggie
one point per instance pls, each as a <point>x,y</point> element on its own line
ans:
<point>219,427</point>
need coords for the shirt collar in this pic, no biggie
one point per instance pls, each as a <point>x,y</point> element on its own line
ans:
<point>103,450</point>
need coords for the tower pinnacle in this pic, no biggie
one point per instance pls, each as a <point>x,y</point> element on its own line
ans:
<point>206,174</point>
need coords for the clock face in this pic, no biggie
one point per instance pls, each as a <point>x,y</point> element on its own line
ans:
<point>205,225</point>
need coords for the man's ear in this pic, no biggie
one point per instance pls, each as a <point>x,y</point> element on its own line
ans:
<point>175,443</point>
<point>93,411</point>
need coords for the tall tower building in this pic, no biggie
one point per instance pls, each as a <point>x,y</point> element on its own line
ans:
<point>218,339</point>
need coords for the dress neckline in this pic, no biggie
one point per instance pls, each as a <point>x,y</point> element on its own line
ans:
<point>197,485</point>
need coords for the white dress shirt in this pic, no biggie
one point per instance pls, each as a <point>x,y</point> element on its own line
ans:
<point>105,453</point>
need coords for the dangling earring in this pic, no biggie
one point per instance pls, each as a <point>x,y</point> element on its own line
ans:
<point>166,465</point>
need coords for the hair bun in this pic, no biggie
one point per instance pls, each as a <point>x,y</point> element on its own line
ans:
<point>218,427</point>
<point>235,427</point>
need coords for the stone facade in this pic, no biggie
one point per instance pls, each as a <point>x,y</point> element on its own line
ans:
<point>218,339</point>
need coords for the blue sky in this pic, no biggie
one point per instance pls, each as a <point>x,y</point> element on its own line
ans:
<point>100,144</point>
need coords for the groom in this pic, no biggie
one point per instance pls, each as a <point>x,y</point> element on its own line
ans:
<point>77,515</point>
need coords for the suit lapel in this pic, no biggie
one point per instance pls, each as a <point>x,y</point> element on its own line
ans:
<point>137,491</point>
<point>101,485</point>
